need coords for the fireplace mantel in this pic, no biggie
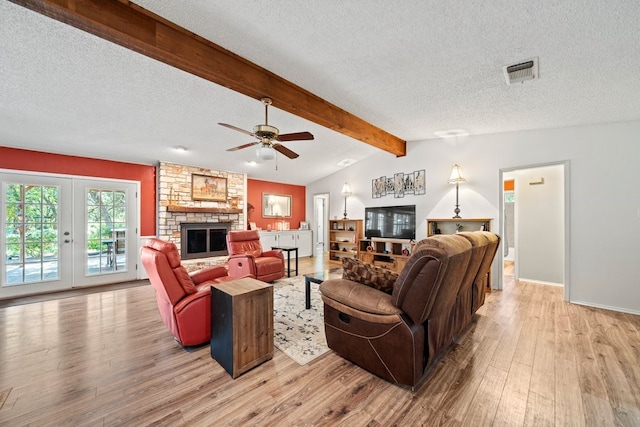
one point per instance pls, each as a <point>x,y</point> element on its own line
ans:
<point>180,208</point>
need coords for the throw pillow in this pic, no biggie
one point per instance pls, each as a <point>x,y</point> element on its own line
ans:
<point>369,275</point>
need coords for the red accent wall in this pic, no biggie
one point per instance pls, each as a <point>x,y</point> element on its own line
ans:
<point>255,188</point>
<point>36,161</point>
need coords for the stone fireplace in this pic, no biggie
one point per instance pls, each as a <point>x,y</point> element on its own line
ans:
<point>177,207</point>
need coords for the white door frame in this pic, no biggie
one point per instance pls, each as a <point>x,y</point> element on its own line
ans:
<point>75,227</point>
<point>567,221</point>
<point>64,277</point>
<point>324,219</point>
<point>81,277</point>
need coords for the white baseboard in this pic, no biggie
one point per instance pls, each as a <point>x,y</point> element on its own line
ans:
<point>606,307</point>
<point>541,282</point>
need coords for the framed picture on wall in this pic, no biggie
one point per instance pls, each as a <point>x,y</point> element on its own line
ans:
<point>398,185</point>
<point>420,182</point>
<point>211,188</point>
<point>376,188</point>
<point>409,183</point>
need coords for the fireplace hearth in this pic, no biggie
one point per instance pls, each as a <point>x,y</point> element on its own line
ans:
<point>203,239</point>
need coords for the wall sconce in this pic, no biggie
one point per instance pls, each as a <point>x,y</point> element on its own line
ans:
<point>346,192</point>
<point>456,178</point>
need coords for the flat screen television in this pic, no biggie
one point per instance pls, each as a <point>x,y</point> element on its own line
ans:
<point>391,222</point>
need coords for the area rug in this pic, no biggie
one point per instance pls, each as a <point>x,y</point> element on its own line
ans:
<point>298,332</point>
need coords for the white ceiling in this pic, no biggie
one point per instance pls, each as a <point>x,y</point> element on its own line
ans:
<point>411,68</point>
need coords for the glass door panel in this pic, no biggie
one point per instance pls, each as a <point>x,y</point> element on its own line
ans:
<point>106,230</point>
<point>31,213</point>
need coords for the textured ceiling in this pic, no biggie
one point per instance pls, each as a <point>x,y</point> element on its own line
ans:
<point>411,68</point>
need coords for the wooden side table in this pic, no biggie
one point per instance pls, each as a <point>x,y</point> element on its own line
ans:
<point>241,324</point>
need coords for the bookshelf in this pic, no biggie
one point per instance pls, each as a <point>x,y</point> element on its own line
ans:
<point>344,237</point>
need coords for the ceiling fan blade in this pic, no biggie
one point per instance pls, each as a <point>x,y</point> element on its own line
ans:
<point>236,128</point>
<point>240,147</point>
<point>284,150</point>
<point>298,136</point>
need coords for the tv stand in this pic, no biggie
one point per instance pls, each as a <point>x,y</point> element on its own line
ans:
<point>391,254</point>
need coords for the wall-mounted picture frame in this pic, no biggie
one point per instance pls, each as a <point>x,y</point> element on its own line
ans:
<point>420,182</point>
<point>378,187</point>
<point>208,188</point>
<point>398,185</point>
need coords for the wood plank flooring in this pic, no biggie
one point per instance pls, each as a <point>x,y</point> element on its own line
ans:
<point>105,358</point>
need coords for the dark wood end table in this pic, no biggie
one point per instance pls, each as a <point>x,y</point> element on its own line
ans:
<point>288,250</point>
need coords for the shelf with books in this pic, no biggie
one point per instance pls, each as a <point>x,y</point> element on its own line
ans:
<point>344,235</point>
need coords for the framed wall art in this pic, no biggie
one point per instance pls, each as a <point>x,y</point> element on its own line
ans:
<point>400,184</point>
<point>209,188</point>
<point>420,182</point>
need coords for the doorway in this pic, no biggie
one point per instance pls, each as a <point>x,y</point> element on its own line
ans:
<point>64,232</point>
<point>321,219</point>
<point>534,224</point>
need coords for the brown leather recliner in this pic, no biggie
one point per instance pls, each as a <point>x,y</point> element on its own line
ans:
<point>462,313</point>
<point>480,282</point>
<point>247,259</point>
<point>399,336</point>
<point>183,299</point>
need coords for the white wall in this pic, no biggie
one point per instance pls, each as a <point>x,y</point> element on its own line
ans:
<point>604,241</point>
<point>539,217</point>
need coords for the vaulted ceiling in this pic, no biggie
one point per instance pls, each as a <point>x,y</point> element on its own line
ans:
<point>401,70</point>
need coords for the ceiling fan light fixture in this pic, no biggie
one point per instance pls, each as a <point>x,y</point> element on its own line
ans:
<point>266,131</point>
<point>268,138</point>
<point>266,153</point>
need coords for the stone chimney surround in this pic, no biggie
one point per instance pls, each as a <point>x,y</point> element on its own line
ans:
<point>177,205</point>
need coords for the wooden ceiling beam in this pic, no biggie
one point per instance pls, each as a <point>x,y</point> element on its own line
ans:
<point>135,28</point>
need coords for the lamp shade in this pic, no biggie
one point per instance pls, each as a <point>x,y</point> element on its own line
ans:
<point>346,189</point>
<point>266,153</point>
<point>456,175</point>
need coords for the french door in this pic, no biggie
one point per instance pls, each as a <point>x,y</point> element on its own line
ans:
<point>59,233</point>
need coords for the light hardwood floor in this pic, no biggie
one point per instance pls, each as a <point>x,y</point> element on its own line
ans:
<point>105,358</point>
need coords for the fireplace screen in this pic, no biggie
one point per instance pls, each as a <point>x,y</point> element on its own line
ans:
<point>201,240</point>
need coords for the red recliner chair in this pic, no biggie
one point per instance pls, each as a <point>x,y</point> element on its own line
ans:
<point>246,257</point>
<point>183,298</point>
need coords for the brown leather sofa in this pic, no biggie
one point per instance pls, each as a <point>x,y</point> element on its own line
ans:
<point>399,336</point>
<point>183,298</point>
<point>247,259</point>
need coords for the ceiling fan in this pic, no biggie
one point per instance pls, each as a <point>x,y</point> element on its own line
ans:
<point>269,137</point>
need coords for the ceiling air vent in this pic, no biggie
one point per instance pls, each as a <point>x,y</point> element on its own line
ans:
<point>522,71</point>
